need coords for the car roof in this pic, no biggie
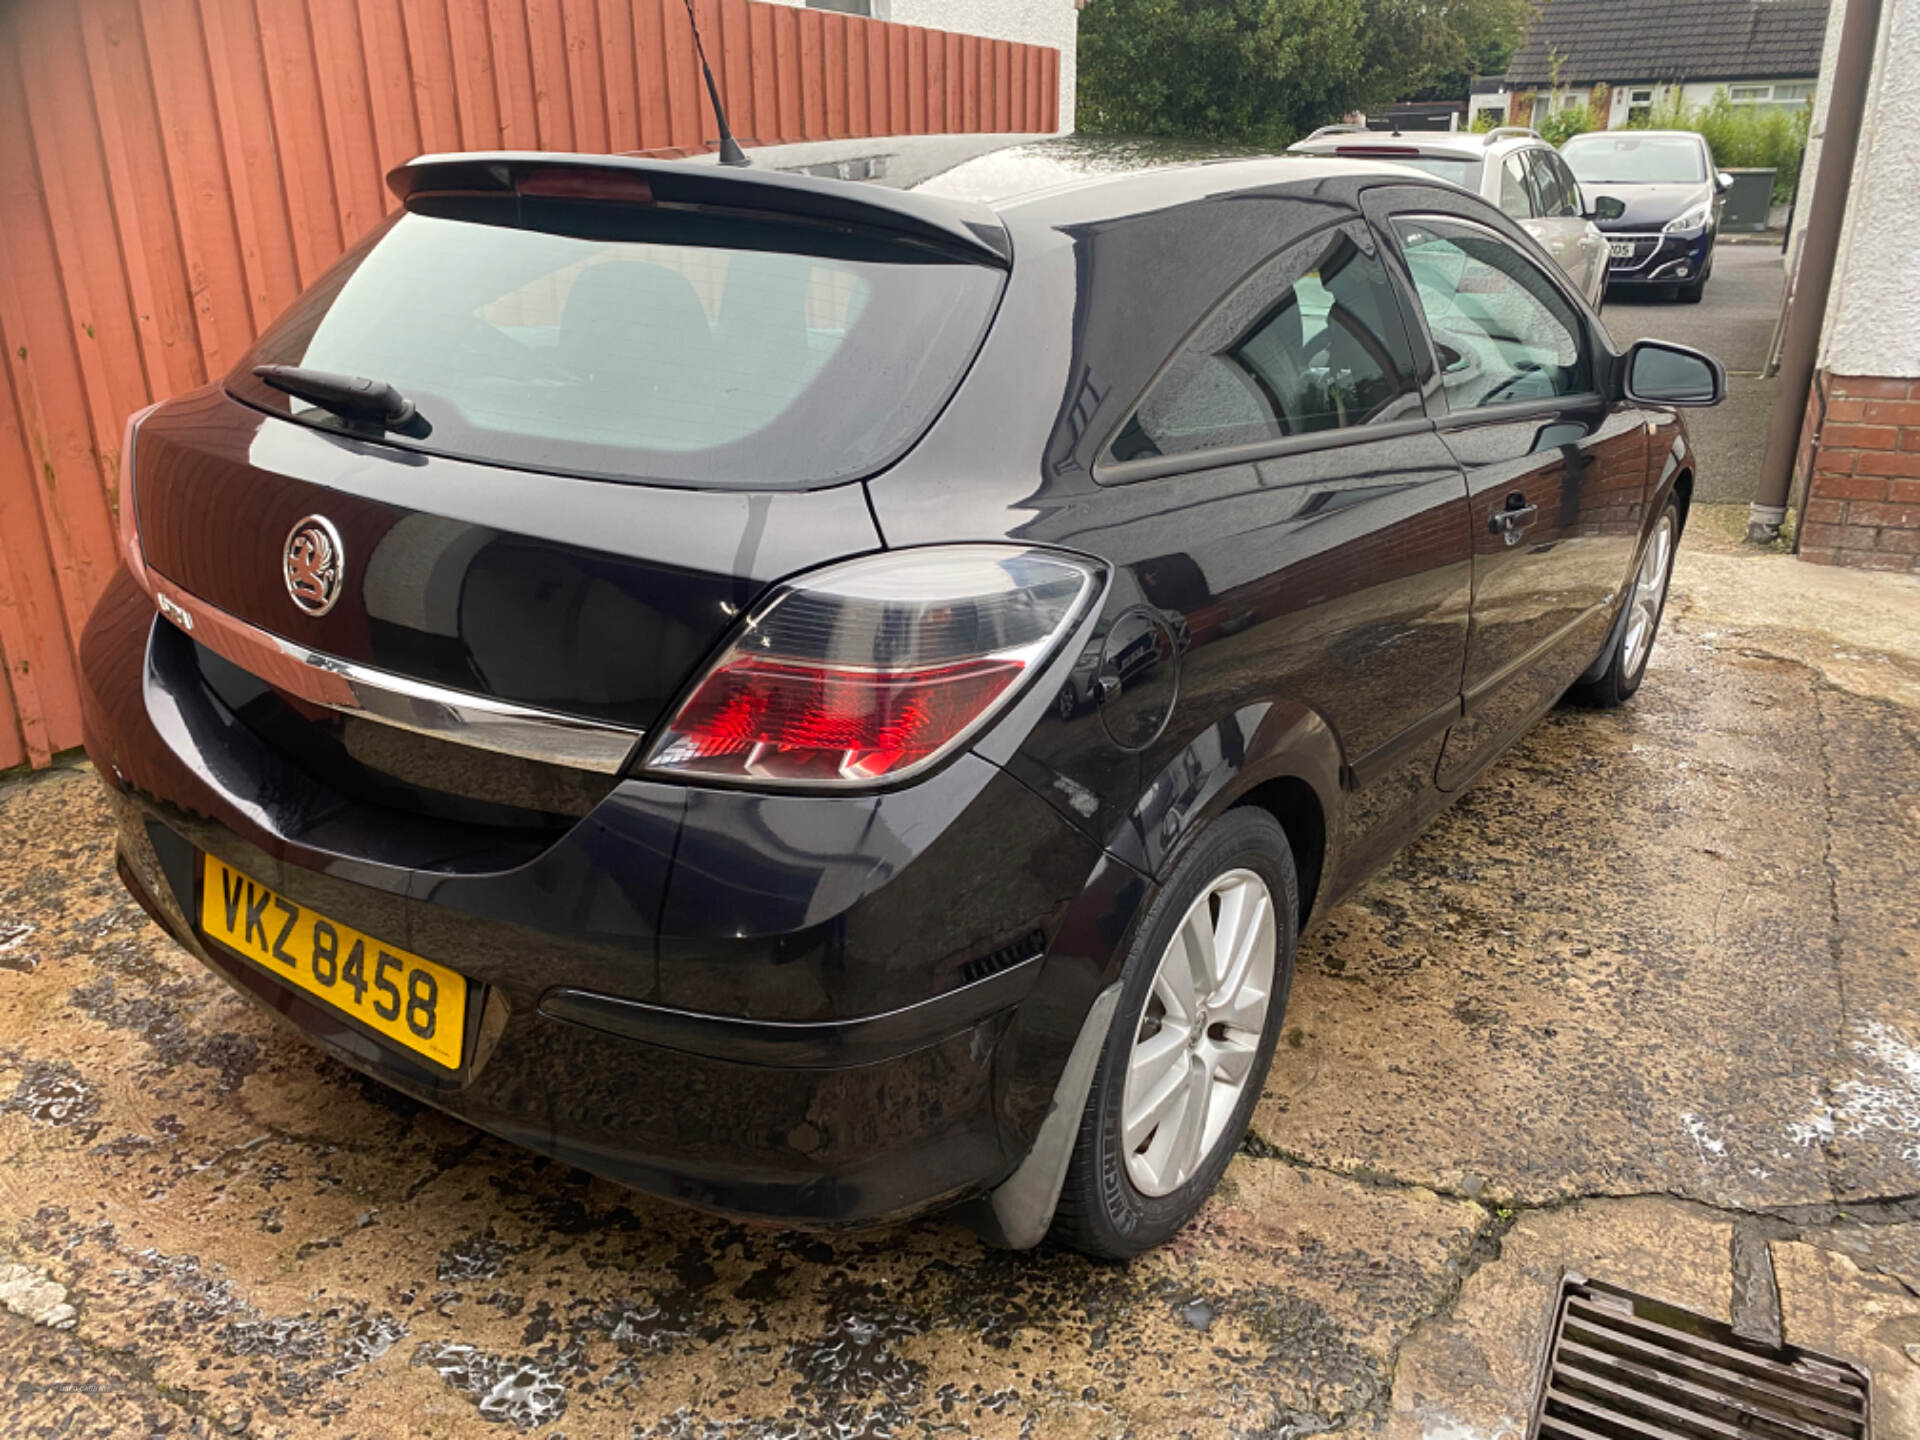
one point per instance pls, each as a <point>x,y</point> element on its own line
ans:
<point>1101,176</point>
<point>964,192</point>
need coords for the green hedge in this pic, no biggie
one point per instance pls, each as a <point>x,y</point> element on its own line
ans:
<point>1740,136</point>
<point>1560,126</point>
<point>1745,136</point>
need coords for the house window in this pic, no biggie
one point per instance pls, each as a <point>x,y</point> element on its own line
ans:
<point>1572,101</point>
<point>1640,106</point>
<point>1784,94</point>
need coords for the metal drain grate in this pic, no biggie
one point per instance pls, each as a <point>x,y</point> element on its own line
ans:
<point>1623,1367</point>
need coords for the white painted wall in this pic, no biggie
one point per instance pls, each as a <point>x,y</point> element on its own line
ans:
<point>1495,102</point>
<point>1693,94</point>
<point>1873,314</point>
<point>1816,133</point>
<point>1033,22</point>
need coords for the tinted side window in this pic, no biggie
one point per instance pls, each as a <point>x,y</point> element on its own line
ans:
<point>1312,341</point>
<point>1569,186</point>
<point>1548,197</point>
<point>1514,198</point>
<point>1501,330</point>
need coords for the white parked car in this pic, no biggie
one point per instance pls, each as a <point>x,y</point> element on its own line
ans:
<point>1510,166</point>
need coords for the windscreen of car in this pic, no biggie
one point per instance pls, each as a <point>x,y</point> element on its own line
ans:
<point>1614,159</point>
<point>683,363</point>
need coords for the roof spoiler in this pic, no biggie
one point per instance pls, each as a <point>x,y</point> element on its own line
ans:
<point>1346,128</point>
<point>966,231</point>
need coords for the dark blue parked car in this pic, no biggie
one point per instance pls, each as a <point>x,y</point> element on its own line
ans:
<point>1655,194</point>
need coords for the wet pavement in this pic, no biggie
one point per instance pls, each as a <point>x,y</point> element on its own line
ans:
<point>1734,322</point>
<point>1643,1005</point>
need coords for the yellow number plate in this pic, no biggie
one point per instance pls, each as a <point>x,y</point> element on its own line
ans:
<point>411,1001</point>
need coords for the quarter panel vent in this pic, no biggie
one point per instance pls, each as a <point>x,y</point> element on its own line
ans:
<point>1005,958</point>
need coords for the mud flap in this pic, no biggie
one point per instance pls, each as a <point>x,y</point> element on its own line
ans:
<point>1017,1213</point>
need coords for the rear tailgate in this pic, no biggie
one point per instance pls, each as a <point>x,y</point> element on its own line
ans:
<point>638,392</point>
<point>558,593</point>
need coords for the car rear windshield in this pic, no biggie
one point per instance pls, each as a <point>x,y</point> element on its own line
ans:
<point>1635,160</point>
<point>1446,167</point>
<point>688,364</point>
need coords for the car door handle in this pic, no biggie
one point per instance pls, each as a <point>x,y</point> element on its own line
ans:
<point>1513,522</point>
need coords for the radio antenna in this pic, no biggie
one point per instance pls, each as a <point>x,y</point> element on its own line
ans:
<point>730,151</point>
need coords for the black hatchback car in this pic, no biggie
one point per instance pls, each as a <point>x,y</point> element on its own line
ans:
<point>826,698</point>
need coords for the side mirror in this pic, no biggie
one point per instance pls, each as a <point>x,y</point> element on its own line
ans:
<point>1658,373</point>
<point>1722,182</point>
<point>1607,207</point>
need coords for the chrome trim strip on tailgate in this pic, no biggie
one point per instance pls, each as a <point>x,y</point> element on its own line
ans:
<point>457,716</point>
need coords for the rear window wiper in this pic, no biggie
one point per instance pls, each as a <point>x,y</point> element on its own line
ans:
<point>353,397</point>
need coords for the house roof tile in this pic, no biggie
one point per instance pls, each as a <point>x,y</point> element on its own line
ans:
<point>1618,41</point>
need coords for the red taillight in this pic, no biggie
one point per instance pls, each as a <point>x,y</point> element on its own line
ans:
<point>873,669</point>
<point>762,718</point>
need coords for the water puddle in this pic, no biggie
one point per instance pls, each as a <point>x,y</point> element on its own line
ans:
<point>524,1391</point>
<point>55,1095</point>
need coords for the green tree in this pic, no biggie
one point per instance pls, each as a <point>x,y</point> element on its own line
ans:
<point>1265,71</point>
<point>1258,71</point>
<point>1432,49</point>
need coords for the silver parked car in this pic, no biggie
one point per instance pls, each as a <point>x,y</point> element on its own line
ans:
<point>1512,166</point>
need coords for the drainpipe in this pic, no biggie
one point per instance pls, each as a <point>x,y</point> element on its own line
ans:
<point>1826,219</point>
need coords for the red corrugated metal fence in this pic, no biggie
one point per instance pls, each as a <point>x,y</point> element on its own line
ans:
<point>173,172</point>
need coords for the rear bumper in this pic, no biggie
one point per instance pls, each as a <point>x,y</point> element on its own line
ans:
<point>793,1008</point>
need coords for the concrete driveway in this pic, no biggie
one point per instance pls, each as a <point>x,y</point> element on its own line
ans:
<point>1650,987</point>
<point>1643,1005</point>
<point>1734,321</point>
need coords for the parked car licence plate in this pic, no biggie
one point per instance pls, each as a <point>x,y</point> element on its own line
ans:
<point>1622,249</point>
<point>410,1000</point>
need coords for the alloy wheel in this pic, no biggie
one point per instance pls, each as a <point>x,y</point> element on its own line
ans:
<point>1199,1032</point>
<point>1649,591</point>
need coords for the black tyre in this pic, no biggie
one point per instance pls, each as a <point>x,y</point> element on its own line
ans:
<point>1690,293</point>
<point>1183,1068</point>
<point>1630,646</point>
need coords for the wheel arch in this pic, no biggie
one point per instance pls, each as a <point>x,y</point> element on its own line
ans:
<point>1683,494</point>
<point>1278,755</point>
<point>1676,479</point>
<point>1292,802</point>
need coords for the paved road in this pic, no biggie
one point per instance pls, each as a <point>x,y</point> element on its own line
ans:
<point>1735,322</point>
